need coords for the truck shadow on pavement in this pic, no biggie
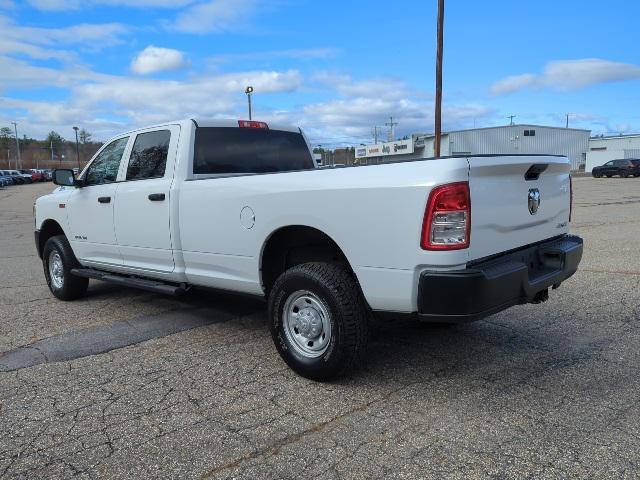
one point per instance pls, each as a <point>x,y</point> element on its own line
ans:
<point>397,349</point>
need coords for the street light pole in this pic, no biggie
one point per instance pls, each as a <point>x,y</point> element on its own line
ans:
<point>249,91</point>
<point>77,148</point>
<point>18,159</point>
<point>438,112</point>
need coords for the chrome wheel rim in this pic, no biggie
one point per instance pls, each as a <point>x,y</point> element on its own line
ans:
<point>56,270</point>
<point>307,323</point>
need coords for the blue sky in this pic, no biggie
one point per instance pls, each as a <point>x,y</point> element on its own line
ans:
<point>336,68</point>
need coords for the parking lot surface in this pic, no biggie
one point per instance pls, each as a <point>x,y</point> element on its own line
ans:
<point>129,384</point>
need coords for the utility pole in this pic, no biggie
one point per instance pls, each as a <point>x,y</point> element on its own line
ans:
<point>511,117</point>
<point>51,145</point>
<point>18,159</point>
<point>438,106</point>
<point>375,134</point>
<point>77,149</point>
<point>567,124</point>
<point>249,91</point>
<point>391,124</point>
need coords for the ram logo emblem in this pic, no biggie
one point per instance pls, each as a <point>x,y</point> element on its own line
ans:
<point>534,200</point>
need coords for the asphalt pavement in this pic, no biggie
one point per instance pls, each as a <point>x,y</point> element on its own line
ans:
<point>130,384</point>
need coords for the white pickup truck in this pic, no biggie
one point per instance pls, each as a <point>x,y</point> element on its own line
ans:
<point>241,206</point>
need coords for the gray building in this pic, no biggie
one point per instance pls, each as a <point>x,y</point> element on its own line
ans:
<point>509,139</point>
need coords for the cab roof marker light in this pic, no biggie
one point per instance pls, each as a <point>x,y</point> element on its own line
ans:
<point>252,124</point>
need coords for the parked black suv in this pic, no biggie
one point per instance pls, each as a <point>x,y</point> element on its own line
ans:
<point>624,168</point>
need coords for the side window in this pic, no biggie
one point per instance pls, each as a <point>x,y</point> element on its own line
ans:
<point>149,155</point>
<point>608,164</point>
<point>104,169</point>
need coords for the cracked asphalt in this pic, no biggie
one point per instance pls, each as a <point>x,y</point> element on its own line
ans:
<point>538,391</point>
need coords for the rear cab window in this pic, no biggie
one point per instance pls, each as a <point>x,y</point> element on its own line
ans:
<point>229,150</point>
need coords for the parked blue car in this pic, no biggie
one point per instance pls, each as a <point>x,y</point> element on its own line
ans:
<point>6,179</point>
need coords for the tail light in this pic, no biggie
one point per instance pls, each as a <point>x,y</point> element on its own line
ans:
<point>252,124</point>
<point>447,219</point>
<point>570,196</point>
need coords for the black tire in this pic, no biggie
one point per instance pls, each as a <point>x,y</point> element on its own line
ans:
<point>72,287</point>
<point>609,176</point>
<point>348,315</point>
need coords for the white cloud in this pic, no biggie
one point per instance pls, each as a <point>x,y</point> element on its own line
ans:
<point>21,74</point>
<point>156,59</point>
<point>62,5</point>
<point>569,75</point>
<point>121,102</point>
<point>215,16</point>
<point>46,43</point>
<point>296,54</point>
<point>385,87</point>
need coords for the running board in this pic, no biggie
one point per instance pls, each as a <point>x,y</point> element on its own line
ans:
<point>141,283</point>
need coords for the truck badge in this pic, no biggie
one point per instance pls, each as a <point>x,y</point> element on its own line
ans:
<point>534,200</point>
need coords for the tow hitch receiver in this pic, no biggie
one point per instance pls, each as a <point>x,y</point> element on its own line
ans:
<point>541,297</point>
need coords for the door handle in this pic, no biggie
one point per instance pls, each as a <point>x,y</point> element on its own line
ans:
<point>104,199</point>
<point>156,197</point>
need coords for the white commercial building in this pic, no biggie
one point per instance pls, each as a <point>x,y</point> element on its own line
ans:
<point>603,149</point>
<point>503,140</point>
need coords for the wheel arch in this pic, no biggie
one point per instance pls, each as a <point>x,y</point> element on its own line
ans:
<point>292,245</point>
<point>50,228</point>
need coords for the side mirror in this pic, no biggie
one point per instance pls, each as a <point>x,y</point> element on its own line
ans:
<point>64,177</point>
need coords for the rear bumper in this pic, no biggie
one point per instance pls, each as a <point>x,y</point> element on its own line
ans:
<point>498,283</point>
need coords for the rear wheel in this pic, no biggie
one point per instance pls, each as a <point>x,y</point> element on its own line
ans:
<point>318,320</point>
<point>58,260</point>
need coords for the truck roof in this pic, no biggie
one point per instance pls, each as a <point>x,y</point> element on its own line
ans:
<point>207,122</point>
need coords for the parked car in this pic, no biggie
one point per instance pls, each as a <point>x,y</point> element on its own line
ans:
<point>242,206</point>
<point>35,175</point>
<point>5,180</point>
<point>46,174</point>
<point>623,168</point>
<point>19,178</point>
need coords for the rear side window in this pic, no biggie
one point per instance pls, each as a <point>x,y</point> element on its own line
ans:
<point>249,150</point>
<point>149,155</point>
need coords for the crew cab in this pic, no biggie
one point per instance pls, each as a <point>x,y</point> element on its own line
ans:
<point>242,206</point>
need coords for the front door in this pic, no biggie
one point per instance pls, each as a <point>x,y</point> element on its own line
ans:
<point>90,208</point>
<point>141,214</point>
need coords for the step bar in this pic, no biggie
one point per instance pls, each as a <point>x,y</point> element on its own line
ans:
<point>127,281</point>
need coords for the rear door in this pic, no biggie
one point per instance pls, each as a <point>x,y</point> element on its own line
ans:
<point>517,201</point>
<point>142,212</point>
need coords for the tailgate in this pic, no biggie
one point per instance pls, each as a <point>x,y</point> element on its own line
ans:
<point>504,190</point>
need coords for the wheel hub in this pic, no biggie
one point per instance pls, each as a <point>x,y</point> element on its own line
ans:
<point>56,269</point>
<point>307,323</point>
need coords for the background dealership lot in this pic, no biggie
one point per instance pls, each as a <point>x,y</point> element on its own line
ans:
<point>544,391</point>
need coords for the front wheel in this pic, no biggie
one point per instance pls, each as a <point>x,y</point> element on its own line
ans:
<point>318,320</point>
<point>58,260</point>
